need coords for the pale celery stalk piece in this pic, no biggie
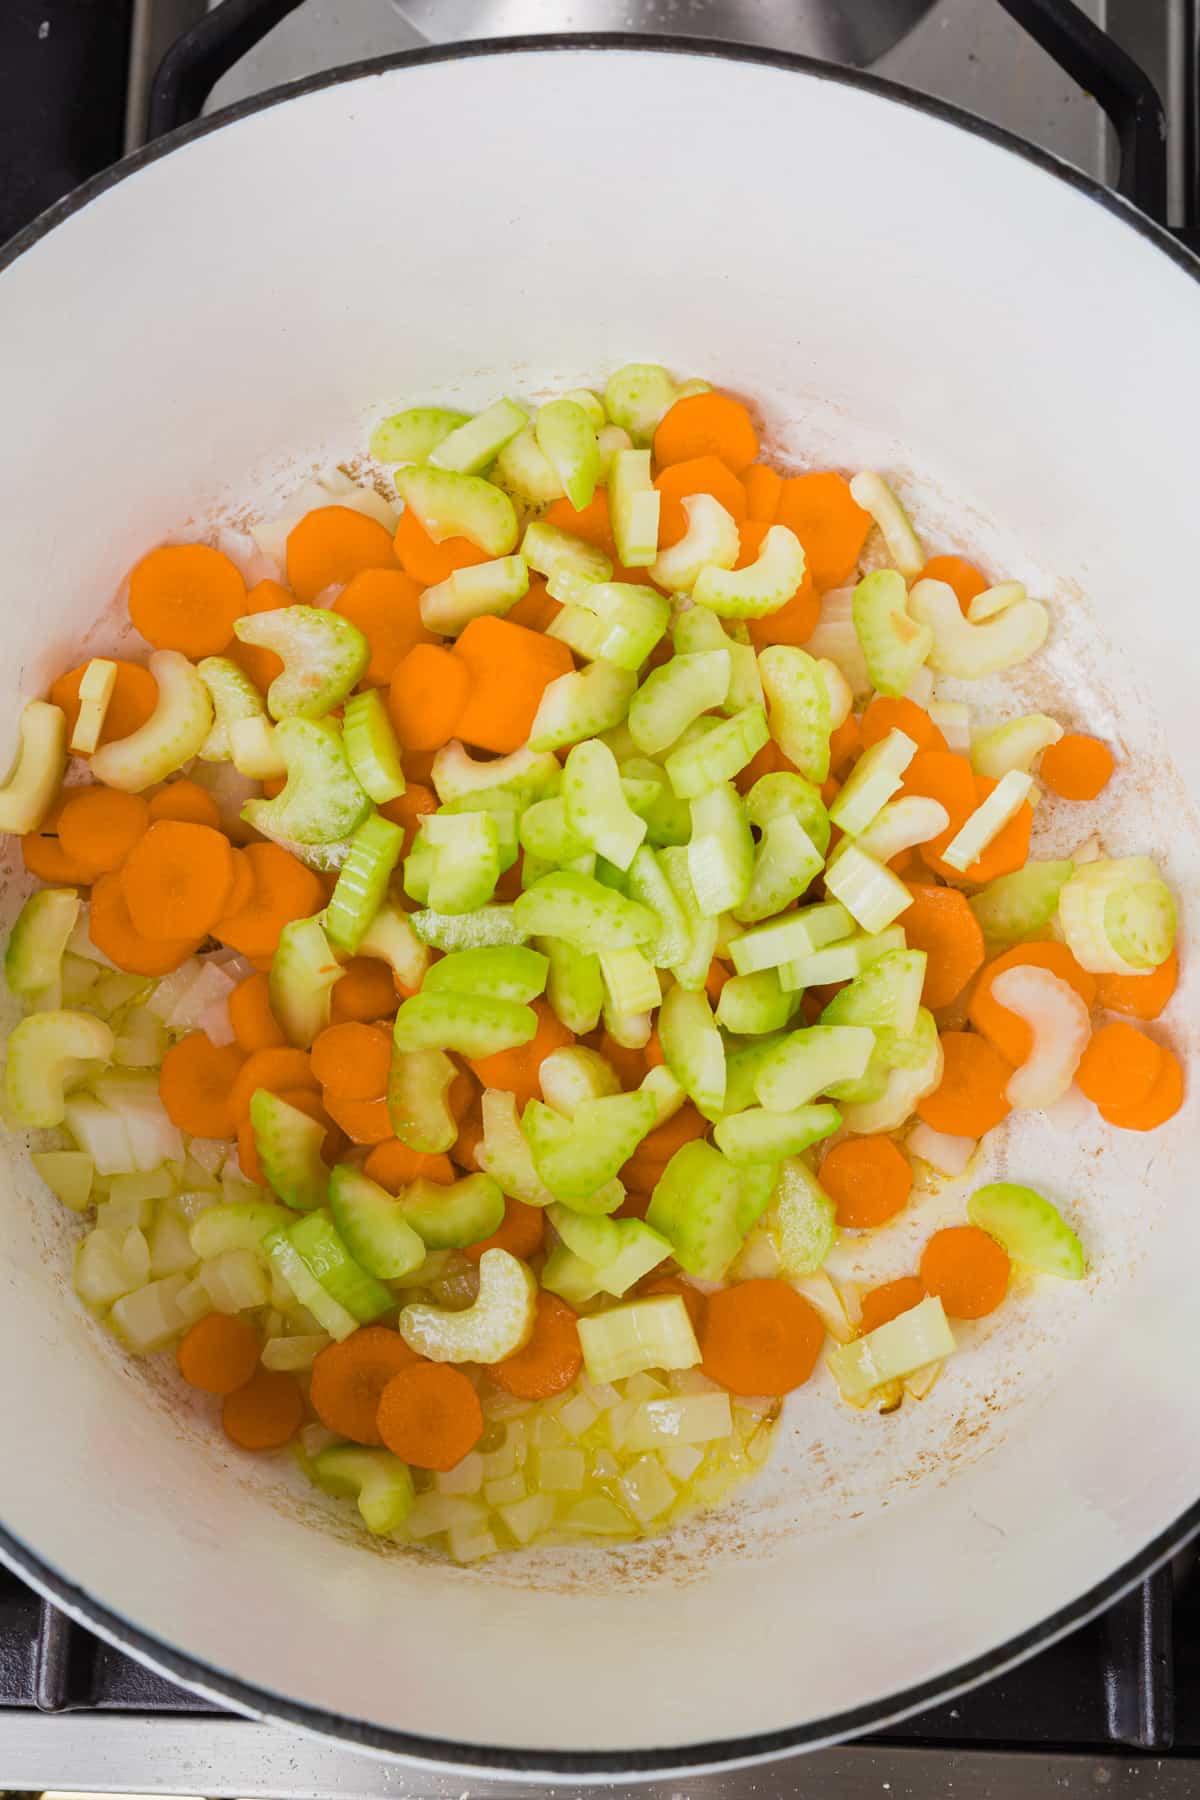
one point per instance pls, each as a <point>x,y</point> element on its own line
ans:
<point>953,720</point>
<point>465,1023</point>
<point>988,820</point>
<point>798,708</point>
<point>471,446</point>
<point>447,1216</point>
<point>619,1252</point>
<point>760,1135</point>
<point>391,938</point>
<point>323,656</point>
<point>234,696</point>
<point>1060,1026</point>
<point>947,1153</point>
<point>610,439</point>
<point>752,1005</point>
<point>295,1354</point>
<point>891,1351</point>
<point>835,639</point>
<point>841,961</point>
<point>575,983</point>
<point>786,863</point>
<point>523,773</point>
<point>380,1483</point>
<point>236,1225</point>
<point>696,767</point>
<point>499,1323</point>
<point>491,924</point>
<point>913,819</point>
<point>1118,916</point>
<point>876,776</point>
<point>903,1087</point>
<point>782,793</point>
<point>449,504</point>
<point>524,472</point>
<point>556,553</point>
<point>48,1054</point>
<point>34,953</point>
<point>648,883</point>
<point>371,747</point>
<point>634,506</point>
<point>886,995</point>
<point>582,705</point>
<point>759,589</point>
<point>721,851</point>
<point>893,645</point>
<point>362,882</point>
<point>171,736</point>
<point>631,982</point>
<point>970,651</point>
<point>668,819</point>
<point>488,589</point>
<point>871,894</point>
<point>68,1174</point>
<point>36,776</point>
<point>1016,745</point>
<point>642,1334</point>
<point>289,1144</point>
<point>418,1084</point>
<point>566,435</point>
<point>578,1158</point>
<point>1022,904</point>
<point>745,682</point>
<point>254,750</point>
<point>711,540</point>
<point>870,491</point>
<point>95,691</point>
<point>592,405</point>
<point>694,1049</point>
<point>570,1076</point>
<point>411,436</point>
<point>464,866</point>
<point>691,969</point>
<point>841,694</point>
<point>636,397</point>
<point>630,1030</point>
<point>802,1219</point>
<point>595,804</point>
<point>499,972</point>
<point>781,941</point>
<point>504,1154</point>
<point>585,913</point>
<point>294,1272</point>
<point>809,1062</point>
<point>303,974</point>
<point>322,803</point>
<point>994,600</point>
<point>545,833</point>
<point>617,621</point>
<point>1030,1228</point>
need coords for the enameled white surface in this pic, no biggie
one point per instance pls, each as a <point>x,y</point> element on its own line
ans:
<point>889,291</point>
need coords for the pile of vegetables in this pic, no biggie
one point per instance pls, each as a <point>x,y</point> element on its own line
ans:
<point>482,965</point>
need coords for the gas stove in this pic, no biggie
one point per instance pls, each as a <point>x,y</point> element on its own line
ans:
<point>1114,1707</point>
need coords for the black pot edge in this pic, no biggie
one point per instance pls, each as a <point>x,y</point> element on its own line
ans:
<point>597,1765</point>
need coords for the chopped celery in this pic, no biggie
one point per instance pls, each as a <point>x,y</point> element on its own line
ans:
<point>988,820</point>
<point>498,1324</point>
<point>36,776</point>
<point>636,397</point>
<point>296,1276</point>
<point>323,656</point>
<point>379,1481</point>
<point>948,1154</point>
<point>1015,745</point>
<point>494,924</point>
<point>410,436</point>
<point>750,1005</point>
<point>668,819</point>
<point>472,1025</point>
<point>592,406</point>
<point>1031,1229</point>
<point>809,1062</point>
<point>797,707</point>
<point>619,1252</point>
<point>491,588</point>
<point>95,692</point>
<point>642,1334</point>
<point>648,884</point>
<point>904,1083</point>
<point>588,915</point>
<point>696,1206</point>
<point>554,552</point>
<point>445,1216</point>
<point>785,865</point>
<point>575,983</point>
<point>617,621</point>
<point>994,599</point>
<point>721,852</point>
<point>289,1145</point>
<point>871,894</point>
<point>797,934</point>
<point>759,589</point>
<point>630,1030</point>
<point>568,1077</point>
<point>391,939</point>
<point>464,861</point>
<point>841,961</point>
<point>418,1085</point>
<point>582,705</point>
<point>452,505</point>
<point>875,777</point>
<point>171,736</point>
<point>566,436</point>
<point>672,696</point>
<point>254,750</point>
<point>758,1135</point>
<point>371,747</point>
<point>893,646</point>
<point>633,504</point>
<point>1022,904</point>
<point>745,682</point>
<point>523,470</point>
<point>502,972</point>
<point>471,446</point>
<point>900,824</point>
<point>322,802</point>
<point>905,1344</point>
<point>49,1053</point>
<point>546,834</point>
<point>1118,916</point>
<point>802,1219</point>
<point>68,1174</point>
<point>504,1155</point>
<point>577,1158</point>
<point>568,1276</point>
<point>693,1048</point>
<point>34,953</point>
<point>318,1243</point>
<point>595,805</point>
<point>236,1225</point>
<point>375,1228</point>
<point>631,982</point>
<point>234,696</point>
<point>872,493</point>
<point>524,773</point>
<point>362,882</point>
<point>783,793</point>
<point>710,541</point>
<point>696,767</point>
<point>970,651</point>
<point>1059,1026</point>
<point>304,972</point>
<point>886,995</point>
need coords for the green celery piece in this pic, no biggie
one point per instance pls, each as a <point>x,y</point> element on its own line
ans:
<point>649,793</point>
<point>322,802</point>
<point>802,1220</point>
<point>894,646</point>
<point>373,1226</point>
<point>34,953</point>
<point>696,631</point>
<point>36,777</point>
<point>742,1064</point>
<point>319,1245</point>
<point>236,1225</point>
<point>233,696</point>
<point>502,807</point>
<point>648,884</point>
<point>577,1158</point>
<point>592,405</point>
<point>711,540</point>
<point>757,1182</point>
<point>596,809</point>
<point>798,707</point>
<point>745,682</point>
<point>782,793</point>
<point>619,1252</point>
<point>455,863</point>
<point>1013,745</point>
<point>48,1054</point>
<point>798,933</point>
<point>304,971</point>
<point>494,924</point>
<point>721,852</point>
<point>566,436</point>
<point>489,589</point>
<point>751,1005</point>
<point>419,1082</point>
<point>371,747</point>
<point>842,961</point>
<point>584,912</point>
<point>759,589</point>
<point>632,617</point>
<point>630,981</point>
<point>582,705</point>
<point>471,446</point>
<point>523,470</point>
<point>808,1061</point>
<point>634,505</point>
<point>409,436</point>
<point>362,882</point>
<point>672,696</point>
<point>1030,1228</point>
<point>379,1481</point>
<point>171,736</point>
<point>446,1216</point>
<point>693,1049</point>
<point>452,505</point>
<point>554,552</point>
<point>1118,915</point>
<point>642,1334</point>
<point>1022,904</point>
<point>636,397</point>
<point>503,972</point>
<point>524,774</point>
<point>294,1272</point>
<point>324,655</point>
<point>696,767</point>
<point>504,1155</point>
<point>289,1145</point>
<point>695,1206</point>
<point>568,1276</point>
<point>500,1321</point>
<point>574,985</point>
<point>463,1022</point>
<point>893,1050</point>
<point>759,1136</point>
<point>870,893</point>
<point>785,865</point>
<point>691,970</point>
<point>574,1074</point>
<point>546,834</point>
<point>875,777</point>
<point>391,938</point>
<point>885,996</point>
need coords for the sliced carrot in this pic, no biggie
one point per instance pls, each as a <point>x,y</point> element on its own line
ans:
<point>186,597</point>
<point>944,776</point>
<point>966,1269</point>
<point>520,1232</point>
<point>284,889</point>
<point>429,1415</point>
<point>1010,1034</point>
<point>98,827</point>
<point>186,800</point>
<point>714,981</point>
<point>363,1121</point>
<point>629,1062</point>
<point>764,490</point>
<point>348,1380</point>
<point>197,1086</point>
<point>133,700</point>
<point>883,1304</point>
<point>517,1070</point>
<point>462,1095</point>
<point>760,1337</point>
<point>509,669</point>
<point>113,931</point>
<point>219,1354</point>
<point>43,854</point>
<point>885,715</point>
<point>681,1128</point>
<point>365,991</point>
<point>845,743</point>
<point>703,475</point>
<point>428,694</point>
<point>385,604</point>
<point>305,1100</point>
<point>266,1414</point>
<point>242,891</point>
<point>535,609</point>
<point>770,760</point>
<point>708,424</point>
<point>652,1050</point>
<point>427,562</point>
<point>1119,1066</point>
<point>1141,996</point>
<point>552,1358</point>
<point>464,1152</point>
<point>957,573</point>
<point>830,788</point>
<point>694,1301</point>
<point>352,1060</point>
<point>831,525</point>
<point>1161,1103</point>
<point>178,877</point>
<point>1077,767</point>
<point>277,1070</point>
<point>255,660</point>
<point>414,804</point>
<point>971,1096</point>
<point>869,1180</point>
<point>254,1024</point>
<point>393,1165</point>
<point>941,923</point>
<point>591,522</point>
<point>330,546</point>
<point>636,1203</point>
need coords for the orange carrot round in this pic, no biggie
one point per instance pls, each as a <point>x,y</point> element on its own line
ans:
<point>464,1151</point>
<point>186,597</point>
<point>363,1121</point>
<point>186,800</point>
<point>885,715</point>
<point>971,1096</point>
<point>43,855</point>
<point>196,1085</point>
<point>218,1354</point>
<point>1010,1034</point>
<point>305,1100</point>
<point>348,1380</point>
<point>966,1269</point>
<point>831,525</point>
<point>520,1232</point>
<point>254,1024</point>
<point>352,1060</point>
<point>1077,767</point>
<point>178,878</point>
<point>845,743</point>
<point>113,931</point>
<point>517,1070</point>
<point>708,424</point>
<point>365,991</point>
<point>330,546</point>
<point>134,698</point>
<point>948,778</point>
<point>414,804</point>
<point>427,562</point>
<point>393,1165</point>
<point>701,475</point>
<point>941,923</point>
<point>385,604</point>
<point>429,1415</point>
<point>266,1414</point>
<point>284,889</point>
<point>277,1070</point>
<point>552,1358</point>
<point>764,490</point>
<point>1140,996</point>
<point>957,573</point>
<point>535,609</point>
<point>1119,1066</point>
<point>509,670</point>
<point>885,1303</point>
<point>426,699</point>
<point>868,1179</point>
<point>98,827</point>
<point>760,1337</point>
<point>1160,1104</point>
<point>591,522</point>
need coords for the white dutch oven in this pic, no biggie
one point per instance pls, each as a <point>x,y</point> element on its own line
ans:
<point>892,289</point>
